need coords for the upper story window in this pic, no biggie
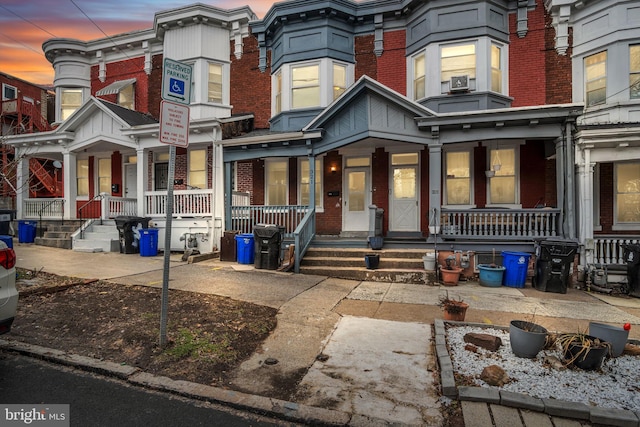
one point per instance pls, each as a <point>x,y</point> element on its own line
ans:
<point>595,71</point>
<point>197,169</point>
<point>70,101</point>
<point>215,83</point>
<point>126,97</point>
<point>309,84</point>
<point>276,172</point>
<point>627,193</point>
<point>9,92</point>
<point>305,86</point>
<point>419,76</point>
<point>458,60</point>
<point>496,68</point>
<point>634,71</point>
<point>458,182</point>
<point>504,184</point>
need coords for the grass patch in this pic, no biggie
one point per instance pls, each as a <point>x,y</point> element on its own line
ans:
<point>188,344</point>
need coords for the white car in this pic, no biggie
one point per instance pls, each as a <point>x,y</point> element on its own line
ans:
<point>8,291</point>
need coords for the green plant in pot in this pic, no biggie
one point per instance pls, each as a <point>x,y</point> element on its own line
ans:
<point>453,309</point>
<point>583,351</point>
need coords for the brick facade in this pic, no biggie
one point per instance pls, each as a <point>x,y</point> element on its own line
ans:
<point>366,59</point>
<point>392,66</point>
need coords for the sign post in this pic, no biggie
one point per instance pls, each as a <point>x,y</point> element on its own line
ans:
<point>174,130</point>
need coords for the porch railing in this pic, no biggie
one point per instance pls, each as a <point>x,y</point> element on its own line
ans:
<point>244,218</point>
<point>185,203</point>
<point>119,206</point>
<point>49,208</point>
<point>303,235</point>
<point>608,249</point>
<point>507,224</point>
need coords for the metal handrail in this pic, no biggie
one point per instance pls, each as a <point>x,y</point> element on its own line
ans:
<point>44,207</point>
<point>81,208</point>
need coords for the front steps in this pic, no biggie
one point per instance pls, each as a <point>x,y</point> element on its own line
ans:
<point>56,233</point>
<point>98,237</point>
<point>396,265</point>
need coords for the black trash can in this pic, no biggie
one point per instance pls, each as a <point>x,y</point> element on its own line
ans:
<point>268,238</point>
<point>228,246</point>
<point>632,258</point>
<point>553,264</point>
<point>129,232</point>
<point>6,216</point>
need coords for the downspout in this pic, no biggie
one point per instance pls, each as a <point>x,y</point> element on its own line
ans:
<point>570,188</point>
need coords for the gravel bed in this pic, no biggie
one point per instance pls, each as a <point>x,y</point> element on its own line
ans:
<point>617,385</point>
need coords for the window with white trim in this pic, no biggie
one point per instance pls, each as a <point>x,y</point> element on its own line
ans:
<point>496,68</point>
<point>627,193</point>
<point>197,169</point>
<point>70,101</point>
<point>339,80</point>
<point>276,172</point>
<point>503,185</point>
<point>458,178</point>
<point>104,175</point>
<point>9,92</point>
<point>595,71</point>
<point>419,76</point>
<point>126,97</point>
<point>457,60</point>
<point>634,71</point>
<point>215,83</point>
<point>304,188</point>
<point>277,92</point>
<point>305,86</point>
<point>82,177</point>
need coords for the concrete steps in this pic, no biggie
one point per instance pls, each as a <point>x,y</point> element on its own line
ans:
<point>56,233</point>
<point>395,265</point>
<point>98,237</point>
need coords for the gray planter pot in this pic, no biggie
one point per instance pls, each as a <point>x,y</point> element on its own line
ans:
<point>527,339</point>
<point>616,335</point>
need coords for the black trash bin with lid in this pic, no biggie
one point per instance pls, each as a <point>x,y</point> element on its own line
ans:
<point>632,258</point>
<point>553,264</point>
<point>268,238</point>
<point>129,232</point>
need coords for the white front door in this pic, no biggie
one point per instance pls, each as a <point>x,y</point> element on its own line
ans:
<point>404,201</point>
<point>357,198</point>
<point>131,181</point>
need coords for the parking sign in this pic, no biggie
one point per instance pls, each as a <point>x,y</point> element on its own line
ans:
<point>176,81</point>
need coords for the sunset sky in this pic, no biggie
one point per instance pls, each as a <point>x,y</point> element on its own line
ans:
<point>26,24</point>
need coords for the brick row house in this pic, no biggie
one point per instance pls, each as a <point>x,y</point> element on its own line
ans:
<point>475,125</point>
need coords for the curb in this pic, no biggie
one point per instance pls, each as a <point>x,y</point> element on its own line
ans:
<point>551,407</point>
<point>261,405</point>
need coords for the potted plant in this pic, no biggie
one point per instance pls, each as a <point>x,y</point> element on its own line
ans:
<point>583,351</point>
<point>451,272</point>
<point>454,309</point>
<point>526,338</point>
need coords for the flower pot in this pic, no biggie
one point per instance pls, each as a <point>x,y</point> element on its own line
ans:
<point>526,338</point>
<point>491,276</point>
<point>429,261</point>
<point>455,310</point>
<point>615,335</point>
<point>434,229</point>
<point>588,357</point>
<point>372,261</point>
<point>450,277</point>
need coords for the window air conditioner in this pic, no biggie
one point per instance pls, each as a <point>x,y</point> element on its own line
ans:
<point>459,83</point>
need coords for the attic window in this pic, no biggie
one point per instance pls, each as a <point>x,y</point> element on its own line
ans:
<point>115,87</point>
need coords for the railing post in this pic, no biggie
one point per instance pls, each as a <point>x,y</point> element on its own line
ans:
<point>104,206</point>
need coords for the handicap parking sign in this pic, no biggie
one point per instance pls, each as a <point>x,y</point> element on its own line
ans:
<point>176,81</point>
<point>176,86</point>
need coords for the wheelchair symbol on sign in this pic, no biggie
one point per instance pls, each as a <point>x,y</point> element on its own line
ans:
<point>176,87</point>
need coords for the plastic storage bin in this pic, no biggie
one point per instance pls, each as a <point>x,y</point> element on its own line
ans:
<point>516,265</point>
<point>149,242</point>
<point>27,231</point>
<point>244,246</point>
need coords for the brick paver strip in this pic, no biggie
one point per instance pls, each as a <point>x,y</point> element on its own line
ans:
<point>476,414</point>
<point>537,419</point>
<point>504,416</point>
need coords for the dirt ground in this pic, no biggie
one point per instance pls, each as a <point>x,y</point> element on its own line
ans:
<point>208,336</point>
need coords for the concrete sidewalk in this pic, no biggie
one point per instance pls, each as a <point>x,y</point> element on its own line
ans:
<point>362,349</point>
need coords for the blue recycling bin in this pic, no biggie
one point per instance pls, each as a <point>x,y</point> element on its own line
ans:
<point>516,265</point>
<point>149,242</point>
<point>27,231</point>
<point>8,240</point>
<point>244,247</point>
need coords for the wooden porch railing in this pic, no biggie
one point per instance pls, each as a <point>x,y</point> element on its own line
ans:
<point>303,235</point>
<point>185,203</point>
<point>244,218</point>
<point>608,249</point>
<point>49,208</point>
<point>505,224</point>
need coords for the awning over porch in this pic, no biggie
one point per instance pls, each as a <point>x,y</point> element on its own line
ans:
<point>115,87</point>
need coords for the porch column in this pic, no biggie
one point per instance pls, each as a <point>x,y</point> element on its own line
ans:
<point>22,183</point>
<point>560,184</point>
<point>312,182</point>
<point>435,184</point>
<point>570,213</point>
<point>585,200</point>
<point>218,184</point>
<point>142,175</point>
<point>228,196</point>
<point>70,174</point>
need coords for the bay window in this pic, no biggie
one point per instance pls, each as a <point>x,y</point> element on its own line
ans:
<point>595,71</point>
<point>634,71</point>
<point>305,86</point>
<point>70,101</point>
<point>457,60</point>
<point>419,76</point>
<point>339,80</point>
<point>214,84</point>
<point>496,68</point>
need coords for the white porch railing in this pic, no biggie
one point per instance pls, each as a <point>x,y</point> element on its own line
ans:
<point>608,249</point>
<point>504,224</point>
<point>118,206</point>
<point>185,203</point>
<point>49,208</point>
<point>244,218</point>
